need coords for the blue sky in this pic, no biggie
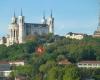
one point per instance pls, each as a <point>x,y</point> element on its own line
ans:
<point>70,15</point>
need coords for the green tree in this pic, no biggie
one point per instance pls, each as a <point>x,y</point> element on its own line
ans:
<point>23,71</point>
<point>52,74</point>
<point>71,73</point>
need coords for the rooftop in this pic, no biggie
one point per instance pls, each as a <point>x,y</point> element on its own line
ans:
<point>77,33</point>
<point>90,62</point>
<point>65,61</point>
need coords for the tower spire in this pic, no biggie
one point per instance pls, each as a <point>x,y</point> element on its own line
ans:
<point>14,18</point>
<point>21,12</point>
<point>43,14</point>
<point>99,20</point>
<point>98,28</point>
<point>14,14</point>
<point>51,13</point>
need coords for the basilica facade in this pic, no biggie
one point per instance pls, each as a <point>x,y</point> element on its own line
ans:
<point>19,29</point>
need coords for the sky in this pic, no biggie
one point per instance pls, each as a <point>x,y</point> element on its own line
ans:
<point>80,16</point>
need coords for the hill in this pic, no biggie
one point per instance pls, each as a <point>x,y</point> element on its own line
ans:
<point>44,65</point>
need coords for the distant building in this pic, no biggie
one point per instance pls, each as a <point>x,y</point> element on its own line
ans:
<point>6,68</point>
<point>3,40</point>
<point>17,63</point>
<point>78,36</point>
<point>89,64</point>
<point>21,78</point>
<point>19,29</point>
<point>64,62</point>
<point>97,32</point>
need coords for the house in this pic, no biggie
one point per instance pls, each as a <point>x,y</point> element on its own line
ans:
<point>89,64</point>
<point>20,78</point>
<point>17,63</point>
<point>78,36</point>
<point>64,62</point>
<point>6,68</point>
<point>2,40</point>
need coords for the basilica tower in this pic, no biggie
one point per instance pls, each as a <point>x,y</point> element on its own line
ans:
<point>13,29</point>
<point>98,28</point>
<point>44,20</point>
<point>21,28</point>
<point>97,32</point>
<point>50,23</point>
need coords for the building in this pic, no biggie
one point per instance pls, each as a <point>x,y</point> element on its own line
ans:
<point>64,62</point>
<point>89,64</point>
<point>17,63</point>
<point>78,36</point>
<point>19,29</point>
<point>6,68</point>
<point>2,40</point>
<point>21,78</point>
<point>97,32</point>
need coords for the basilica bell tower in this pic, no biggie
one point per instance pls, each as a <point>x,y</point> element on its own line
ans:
<point>50,23</point>
<point>21,27</point>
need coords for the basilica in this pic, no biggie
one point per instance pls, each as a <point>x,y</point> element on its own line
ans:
<point>97,31</point>
<point>19,29</point>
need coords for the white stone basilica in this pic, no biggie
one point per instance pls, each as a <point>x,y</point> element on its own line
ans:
<point>19,29</point>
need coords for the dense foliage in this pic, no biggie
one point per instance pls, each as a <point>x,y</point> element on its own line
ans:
<point>45,66</point>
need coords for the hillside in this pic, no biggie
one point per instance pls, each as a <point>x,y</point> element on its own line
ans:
<point>44,65</point>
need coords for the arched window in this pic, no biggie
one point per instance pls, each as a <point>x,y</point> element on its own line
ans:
<point>14,33</point>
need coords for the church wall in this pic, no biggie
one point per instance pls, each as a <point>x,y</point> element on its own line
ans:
<point>31,29</point>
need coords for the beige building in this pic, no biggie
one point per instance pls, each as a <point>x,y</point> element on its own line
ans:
<point>89,64</point>
<point>19,29</point>
<point>17,63</point>
<point>78,36</point>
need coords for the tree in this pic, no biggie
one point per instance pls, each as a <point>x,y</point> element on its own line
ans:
<point>71,73</point>
<point>25,71</point>
<point>52,74</point>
